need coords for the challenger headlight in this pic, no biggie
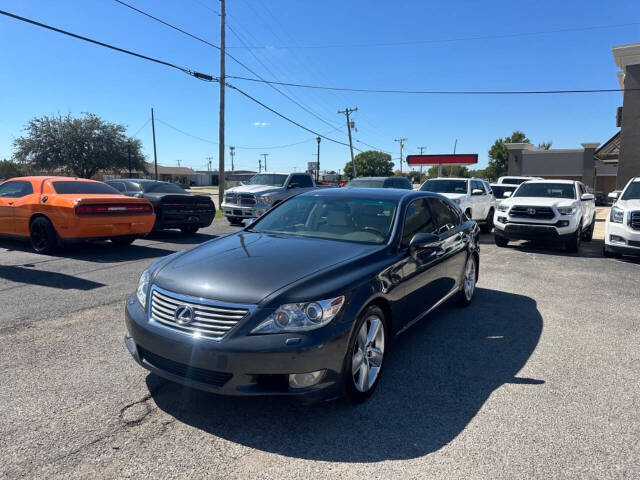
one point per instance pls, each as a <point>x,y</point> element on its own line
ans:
<point>263,200</point>
<point>502,207</point>
<point>617,215</point>
<point>300,317</point>
<point>143,288</point>
<point>567,210</point>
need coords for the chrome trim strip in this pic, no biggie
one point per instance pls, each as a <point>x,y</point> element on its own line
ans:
<point>424,314</point>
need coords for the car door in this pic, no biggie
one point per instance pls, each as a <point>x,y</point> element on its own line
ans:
<point>453,242</point>
<point>15,197</point>
<point>420,271</point>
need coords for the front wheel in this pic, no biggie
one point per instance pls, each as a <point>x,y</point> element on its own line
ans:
<point>573,245</point>
<point>587,236</point>
<point>500,241</point>
<point>42,235</point>
<point>469,281</point>
<point>365,355</point>
<point>189,229</point>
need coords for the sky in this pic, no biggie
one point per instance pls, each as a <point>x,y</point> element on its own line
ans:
<point>408,45</point>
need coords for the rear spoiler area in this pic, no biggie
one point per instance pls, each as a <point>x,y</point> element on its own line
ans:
<point>111,206</point>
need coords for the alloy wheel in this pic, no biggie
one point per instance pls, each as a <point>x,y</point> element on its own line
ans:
<point>368,353</point>
<point>469,278</point>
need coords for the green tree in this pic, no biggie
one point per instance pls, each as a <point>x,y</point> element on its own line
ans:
<point>9,169</point>
<point>449,171</point>
<point>544,145</point>
<point>79,146</point>
<point>499,155</point>
<point>370,164</point>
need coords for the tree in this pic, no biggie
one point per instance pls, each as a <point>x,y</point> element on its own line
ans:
<point>449,171</point>
<point>499,155</point>
<point>370,164</point>
<point>544,145</point>
<point>9,169</point>
<point>79,146</point>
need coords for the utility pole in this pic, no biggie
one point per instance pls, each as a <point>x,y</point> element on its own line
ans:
<point>232,152</point>
<point>155,154</point>
<point>178,162</point>
<point>265,155</point>
<point>129,155</point>
<point>401,142</point>
<point>223,14</point>
<point>421,151</point>
<point>347,112</point>
<point>259,165</point>
<point>318,139</point>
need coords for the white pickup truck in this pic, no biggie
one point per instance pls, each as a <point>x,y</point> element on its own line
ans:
<point>552,210</point>
<point>261,193</point>
<point>622,227</point>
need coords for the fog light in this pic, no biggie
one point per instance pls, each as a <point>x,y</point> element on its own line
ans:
<point>617,239</point>
<point>131,345</point>
<point>304,380</point>
<point>563,223</point>
<point>502,219</point>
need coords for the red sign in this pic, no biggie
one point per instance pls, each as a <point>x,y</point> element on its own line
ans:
<point>459,159</point>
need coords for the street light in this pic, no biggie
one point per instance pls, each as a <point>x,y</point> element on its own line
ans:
<point>318,139</point>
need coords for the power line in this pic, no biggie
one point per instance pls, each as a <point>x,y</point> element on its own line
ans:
<point>437,92</point>
<point>140,129</point>
<point>198,75</point>
<point>444,40</point>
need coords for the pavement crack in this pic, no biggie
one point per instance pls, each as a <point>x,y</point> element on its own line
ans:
<point>135,413</point>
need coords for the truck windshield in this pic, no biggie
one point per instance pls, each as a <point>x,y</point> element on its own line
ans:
<point>445,186</point>
<point>268,179</point>
<point>546,190</point>
<point>632,192</point>
<point>498,190</point>
<point>357,220</point>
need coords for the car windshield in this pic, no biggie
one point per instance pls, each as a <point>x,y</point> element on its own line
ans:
<point>632,192</point>
<point>356,220</point>
<point>548,190</point>
<point>365,183</point>
<point>498,190</point>
<point>513,181</point>
<point>76,187</point>
<point>162,187</point>
<point>268,179</point>
<point>445,186</point>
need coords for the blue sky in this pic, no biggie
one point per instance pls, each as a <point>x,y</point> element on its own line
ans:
<point>45,73</point>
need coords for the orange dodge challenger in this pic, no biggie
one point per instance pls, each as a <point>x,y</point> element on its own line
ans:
<point>55,210</point>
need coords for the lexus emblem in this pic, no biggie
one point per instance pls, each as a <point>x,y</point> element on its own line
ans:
<point>184,315</point>
<point>531,211</point>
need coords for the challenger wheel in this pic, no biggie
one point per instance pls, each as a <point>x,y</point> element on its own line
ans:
<point>43,235</point>
<point>365,356</point>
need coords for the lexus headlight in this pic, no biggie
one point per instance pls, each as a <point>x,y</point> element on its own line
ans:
<point>143,288</point>
<point>617,215</point>
<point>263,200</point>
<point>502,207</point>
<point>566,210</point>
<point>300,317</point>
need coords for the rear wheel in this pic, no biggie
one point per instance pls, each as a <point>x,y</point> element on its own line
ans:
<point>587,236</point>
<point>235,220</point>
<point>43,235</point>
<point>469,281</point>
<point>122,241</point>
<point>367,346</point>
<point>189,229</point>
<point>488,224</point>
<point>500,241</point>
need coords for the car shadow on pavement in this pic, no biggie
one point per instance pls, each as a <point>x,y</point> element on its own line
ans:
<point>592,249</point>
<point>436,379</point>
<point>176,236</point>
<point>31,276</point>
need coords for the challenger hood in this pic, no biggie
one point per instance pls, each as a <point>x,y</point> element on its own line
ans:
<point>246,267</point>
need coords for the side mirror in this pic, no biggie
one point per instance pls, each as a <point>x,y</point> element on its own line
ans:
<point>506,194</point>
<point>477,191</point>
<point>423,241</point>
<point>587,196</point>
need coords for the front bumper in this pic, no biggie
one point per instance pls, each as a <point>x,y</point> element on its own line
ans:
<point>239,364</point>
<point>559,228</point>
<point>98,227</point>
<point>178,219</point>
<point>621,238</point>
<point>243,211</point>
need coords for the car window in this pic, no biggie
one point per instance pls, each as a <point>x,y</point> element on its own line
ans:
<point>163,187</point>
<point>79,187</point>
<point>418,219</point>
<point>270,179</point>
<point>476,185</point>
<point>301,181</point>
<point>16,189</point>
<point>365,183</point>
<point>445,186</point>
<point>487,188</point>
<point>118,186</point>
<point>447,217</point>
<point>404,183</point>
<point>498,190</point>
<point>133,187</point>
<point>632,192</point>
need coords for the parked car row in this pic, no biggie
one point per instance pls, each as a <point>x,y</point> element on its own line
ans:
<point>53,211</point>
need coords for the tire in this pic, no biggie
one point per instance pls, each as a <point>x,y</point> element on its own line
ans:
<point>469,280</point>
<point>500,241</point>
<point>122,241</point>
<point>488,225</point>
<point>468,214</point>
<point>234,220</point>
<point>189,229</point>
<point>588,235</point>
<point>573,245</point>
<point>43,236</point>
<point>358,384</point>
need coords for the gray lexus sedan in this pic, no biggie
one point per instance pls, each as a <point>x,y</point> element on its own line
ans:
<point>306,300</point>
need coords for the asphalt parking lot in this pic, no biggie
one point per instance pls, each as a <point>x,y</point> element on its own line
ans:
<point>537,379</point>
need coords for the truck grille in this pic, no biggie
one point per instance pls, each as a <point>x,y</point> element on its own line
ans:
<point>520,211</point>
<point>634,220</point>
<point>240,198</point>
<point>209,320</point>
